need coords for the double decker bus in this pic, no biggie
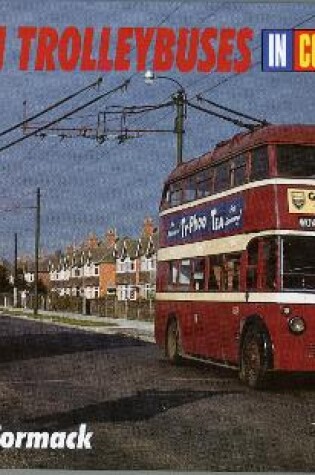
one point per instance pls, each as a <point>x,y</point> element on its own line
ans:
<point>236,261</point>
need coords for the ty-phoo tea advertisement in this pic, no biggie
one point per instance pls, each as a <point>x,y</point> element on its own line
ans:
<point>157,235</point>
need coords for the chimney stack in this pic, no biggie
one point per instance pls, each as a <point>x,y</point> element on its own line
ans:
<point>110,237</point>
<point>148,227</point>
<point>92,242</point>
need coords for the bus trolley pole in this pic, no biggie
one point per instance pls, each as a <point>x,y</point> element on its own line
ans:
<point>37,237</point>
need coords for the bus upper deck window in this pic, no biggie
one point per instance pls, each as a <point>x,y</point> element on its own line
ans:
<point>238,171</point>
<point>190,189</point>
<point>166,197</point>
<point>204,180</point>
<point>259,164</point>
<point>175,194</point>
<point>222,177</point>
<point>296,161</point>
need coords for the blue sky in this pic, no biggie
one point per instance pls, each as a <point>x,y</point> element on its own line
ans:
<point>87,187</point>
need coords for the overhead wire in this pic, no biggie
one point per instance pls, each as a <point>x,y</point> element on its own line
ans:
<point>225,80</point>
<point>256,63</point>
<point>51,107</point>
<point>68,114</point>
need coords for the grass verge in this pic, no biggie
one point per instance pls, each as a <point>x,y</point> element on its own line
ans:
<point>61,319</point>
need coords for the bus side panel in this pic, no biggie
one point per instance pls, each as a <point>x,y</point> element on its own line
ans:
<point>230,314</point>
<point>207,318</point>
<point>182,312</point>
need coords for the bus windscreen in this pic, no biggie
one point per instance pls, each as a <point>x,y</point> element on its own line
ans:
<point>298,263</point>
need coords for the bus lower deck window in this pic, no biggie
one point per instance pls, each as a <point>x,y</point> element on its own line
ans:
<point>199,274</point>
<point>231,272</point>
<point>173,273</point>
<point>184,272</point>
<point>252,265</point>
<point>215,272</point>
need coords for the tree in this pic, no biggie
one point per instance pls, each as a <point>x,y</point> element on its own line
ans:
<point>5,285</point>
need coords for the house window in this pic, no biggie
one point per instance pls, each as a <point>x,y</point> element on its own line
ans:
<point>111,291</point>
<point>148,264</point>
<point>96,292</point>
<point>127,292</point>
<point>129,265</point>
<point>96,269</point>
<point>125,266</point>
<point>149,291</point>
<point>132,291</point>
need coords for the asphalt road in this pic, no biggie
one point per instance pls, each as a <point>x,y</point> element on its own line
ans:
<point>145,413</point>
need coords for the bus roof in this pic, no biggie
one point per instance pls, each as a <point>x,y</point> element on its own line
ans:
<point>262,135</point>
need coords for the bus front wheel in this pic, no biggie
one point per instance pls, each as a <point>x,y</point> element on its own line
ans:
<point>173,345</point>
<point>253,360</point>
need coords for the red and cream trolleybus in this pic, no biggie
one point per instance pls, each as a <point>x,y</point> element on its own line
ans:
<point>236,263</point>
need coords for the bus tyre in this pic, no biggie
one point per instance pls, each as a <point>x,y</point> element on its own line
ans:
<point>253,360</point>
<point>173,346</point>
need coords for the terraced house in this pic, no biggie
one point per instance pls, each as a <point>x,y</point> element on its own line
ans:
<point>77,271</point>
<point>136,265</point>
<point>124,267</point>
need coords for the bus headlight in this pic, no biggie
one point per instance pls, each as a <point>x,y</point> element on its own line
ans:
<point>296,325</point>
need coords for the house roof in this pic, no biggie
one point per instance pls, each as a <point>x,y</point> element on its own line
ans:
<point>135,247</point>
<point>102,252</point>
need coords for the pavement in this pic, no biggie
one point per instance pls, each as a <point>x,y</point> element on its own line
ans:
<point>141,330</point>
